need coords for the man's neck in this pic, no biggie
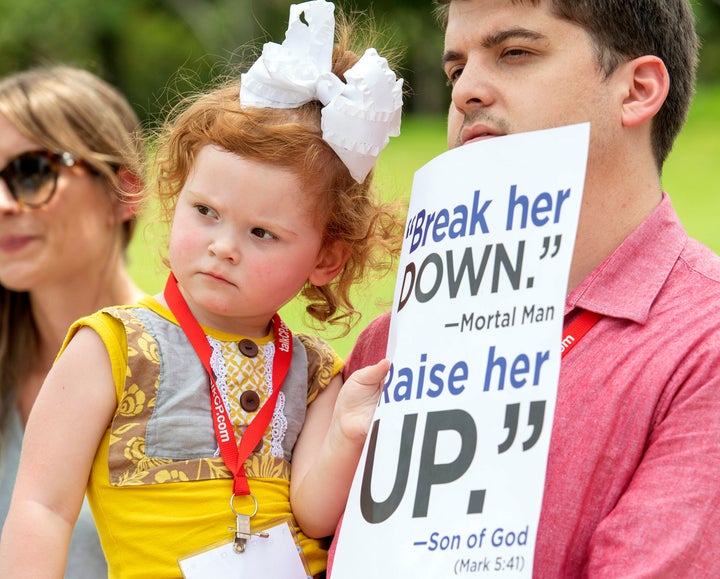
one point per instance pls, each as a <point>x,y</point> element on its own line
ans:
<point>607,220</point>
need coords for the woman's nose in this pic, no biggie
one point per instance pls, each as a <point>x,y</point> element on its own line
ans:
<point>8,204</point>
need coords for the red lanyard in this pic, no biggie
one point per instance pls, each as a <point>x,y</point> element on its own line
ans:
<point>577,329</point>
<point>233,455</point>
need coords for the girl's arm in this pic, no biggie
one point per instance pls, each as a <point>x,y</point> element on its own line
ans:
<point>66,424</point>
<point>329,447</point>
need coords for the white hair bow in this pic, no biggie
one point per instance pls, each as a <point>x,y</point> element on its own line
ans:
<point>359,115</point>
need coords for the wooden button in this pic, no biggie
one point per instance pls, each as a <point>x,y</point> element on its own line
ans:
<point>248,347</point>
<point>249,400</point>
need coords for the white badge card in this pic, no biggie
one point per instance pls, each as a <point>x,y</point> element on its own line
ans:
<point>451,479</point>
<point>275,556</point>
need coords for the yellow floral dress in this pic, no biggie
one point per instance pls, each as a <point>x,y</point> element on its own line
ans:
<point>159,489</point>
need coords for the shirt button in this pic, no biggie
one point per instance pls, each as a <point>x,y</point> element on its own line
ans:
<point>248,347</point>
<point>249,400</point>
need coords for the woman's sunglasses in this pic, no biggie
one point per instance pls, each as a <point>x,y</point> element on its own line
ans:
<point>31,177</point>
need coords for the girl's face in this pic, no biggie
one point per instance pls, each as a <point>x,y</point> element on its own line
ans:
<point>67,241</point>
<point>244,241</point>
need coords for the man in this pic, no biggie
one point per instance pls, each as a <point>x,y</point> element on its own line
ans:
<point>633,476</point>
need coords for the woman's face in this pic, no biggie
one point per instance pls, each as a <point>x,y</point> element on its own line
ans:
<point>67,240</point>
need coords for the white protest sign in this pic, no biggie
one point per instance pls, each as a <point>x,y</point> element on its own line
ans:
<point>450,482</point>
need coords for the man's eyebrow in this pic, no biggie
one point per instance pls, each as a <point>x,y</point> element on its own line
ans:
<point>509,34</point>
<point>450,56</point>
<point>495,39</point>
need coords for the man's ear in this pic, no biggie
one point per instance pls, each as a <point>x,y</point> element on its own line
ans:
<point>132,186</point>
<point>330,261</point>
<point>646,84</point>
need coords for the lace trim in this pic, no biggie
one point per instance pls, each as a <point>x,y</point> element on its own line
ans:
<point>279,424</point>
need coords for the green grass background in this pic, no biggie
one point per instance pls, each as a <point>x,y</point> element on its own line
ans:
<point>691,176</point>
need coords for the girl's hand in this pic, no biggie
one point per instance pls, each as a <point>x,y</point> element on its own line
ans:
<point>358,399</point>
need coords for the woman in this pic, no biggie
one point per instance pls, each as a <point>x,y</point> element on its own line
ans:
<point>71,156</point>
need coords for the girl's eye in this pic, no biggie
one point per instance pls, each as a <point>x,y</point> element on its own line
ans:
<point>262,233</point>
<point>204,210</point>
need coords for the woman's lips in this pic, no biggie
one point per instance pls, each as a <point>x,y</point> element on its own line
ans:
<point>11,243</point>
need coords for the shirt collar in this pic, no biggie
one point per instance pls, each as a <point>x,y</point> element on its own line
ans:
<point>626,284</point>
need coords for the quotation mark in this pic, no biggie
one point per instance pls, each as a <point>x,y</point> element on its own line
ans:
<point>546,246</point>
<point>536,417</point>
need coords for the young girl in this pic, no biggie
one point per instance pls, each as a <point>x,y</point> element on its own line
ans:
<point>270,197</point>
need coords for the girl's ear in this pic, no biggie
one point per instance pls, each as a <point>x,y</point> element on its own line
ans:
<point>647,84</point>
<point>132,185</point>
<point>330,261</point>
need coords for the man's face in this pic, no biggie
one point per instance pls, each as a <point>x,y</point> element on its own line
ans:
<point>516,67</point>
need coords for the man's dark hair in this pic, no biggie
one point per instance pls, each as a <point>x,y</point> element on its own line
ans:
<point>625,29</point>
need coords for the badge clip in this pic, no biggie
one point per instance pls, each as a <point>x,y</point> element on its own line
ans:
<point>242,526</point>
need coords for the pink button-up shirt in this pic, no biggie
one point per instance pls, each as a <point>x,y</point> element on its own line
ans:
<point>633,477</point>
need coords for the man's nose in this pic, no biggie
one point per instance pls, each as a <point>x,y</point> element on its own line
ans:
<point>472,88</point>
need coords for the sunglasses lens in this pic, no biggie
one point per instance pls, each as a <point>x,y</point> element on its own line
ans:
<point>32,179</point>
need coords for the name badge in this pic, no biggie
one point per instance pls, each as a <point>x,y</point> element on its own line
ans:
<point>273,553</point>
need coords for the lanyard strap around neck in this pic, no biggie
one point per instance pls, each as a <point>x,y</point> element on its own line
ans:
<point>577,329</point>
<point>233,454</point>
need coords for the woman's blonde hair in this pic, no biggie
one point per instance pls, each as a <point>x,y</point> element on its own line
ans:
<point>63,108</point>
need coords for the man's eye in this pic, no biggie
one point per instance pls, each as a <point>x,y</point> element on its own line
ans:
<point>515,53</point>
<point>262,233</point>
<point>454,74</point>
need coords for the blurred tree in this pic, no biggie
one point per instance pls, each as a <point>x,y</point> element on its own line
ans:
<point>708,25</point>
<point>135,44</point>
<point>157,50</point>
